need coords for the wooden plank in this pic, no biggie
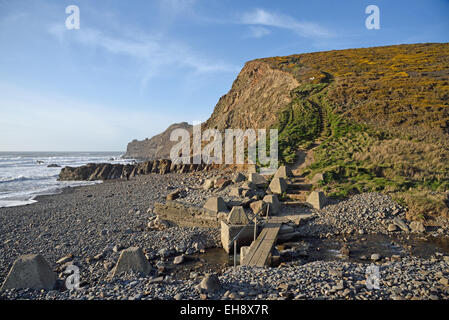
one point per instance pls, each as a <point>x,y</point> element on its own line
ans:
<point>261,248</point>
<point>268,242</point>
<point>254,248</point>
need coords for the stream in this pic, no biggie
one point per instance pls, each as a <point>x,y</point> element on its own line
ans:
<point>309,249</point>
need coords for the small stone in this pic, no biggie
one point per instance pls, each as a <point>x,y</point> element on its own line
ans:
<point>417,226</point>
<point>65,259</point>
<point>444,281</point>
<point>344,251</point>
<point>208,184</point>
<point>375,257</point>
<point>179,259</point>
<point>178,296</point>
<point>392,227</point>
<point>173,195</point>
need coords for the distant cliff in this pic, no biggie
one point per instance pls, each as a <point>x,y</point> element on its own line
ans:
<point>158,147</point>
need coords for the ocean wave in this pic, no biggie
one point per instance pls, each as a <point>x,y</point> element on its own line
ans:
<point>24,178</point>
<point>11,158</point>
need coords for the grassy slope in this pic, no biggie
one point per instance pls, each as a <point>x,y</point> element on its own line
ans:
<point>383,114</point>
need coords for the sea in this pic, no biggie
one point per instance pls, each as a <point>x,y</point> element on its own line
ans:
<point>25,175</point>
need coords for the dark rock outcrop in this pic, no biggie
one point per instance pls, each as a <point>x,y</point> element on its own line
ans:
<point>108,171</point>
<point>158,147</point>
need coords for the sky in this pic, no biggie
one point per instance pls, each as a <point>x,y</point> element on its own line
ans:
<point>135,67</point>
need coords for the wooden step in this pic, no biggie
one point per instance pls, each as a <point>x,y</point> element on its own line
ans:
<point>297,196</point>
<point>299,186</point>
<point>293,203</point>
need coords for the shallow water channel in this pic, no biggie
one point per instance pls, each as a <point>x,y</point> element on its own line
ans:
<point>308,249</point>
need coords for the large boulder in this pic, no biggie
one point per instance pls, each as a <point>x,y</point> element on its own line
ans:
<point>278,186</point>
<point>317,199</point>
<point>210,283</point>
<point>257,179</point>
<point>132,259</point>
<point>401,224</point>
<point>273,201</point>
<point>283,172</point>
<point>30,271</point>
<point>215,205</point>
<point>417,226</point>
<point>237,216</point>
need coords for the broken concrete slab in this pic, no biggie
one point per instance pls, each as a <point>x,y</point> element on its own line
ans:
<point>235,192</point>
<point>278,186</point>
<point>186,214</point>
<point>248,186</point>
<point>239,177</point>
<point>257,179</point>
<point>30,271</point>
<point>237,216</point>
<point>132,259</point>
<point>222,183</point>
<point>317,199</point>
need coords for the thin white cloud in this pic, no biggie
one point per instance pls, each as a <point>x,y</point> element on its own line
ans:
<point>258,32</point>
<point>262,17</point>
<point>155,52</point>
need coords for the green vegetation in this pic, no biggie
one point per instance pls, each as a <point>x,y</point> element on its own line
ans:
<point>298,124</point>
<point>382,117</point>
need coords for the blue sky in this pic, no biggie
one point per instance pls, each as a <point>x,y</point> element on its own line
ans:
<point>135,67</point>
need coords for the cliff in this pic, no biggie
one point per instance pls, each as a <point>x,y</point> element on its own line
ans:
<point>158,147</point>
<point>379,118</point>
